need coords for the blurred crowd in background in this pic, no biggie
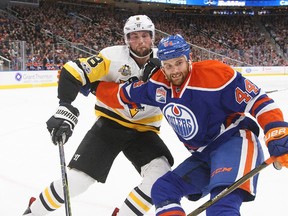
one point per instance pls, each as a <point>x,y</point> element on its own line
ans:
<point>47,36</point>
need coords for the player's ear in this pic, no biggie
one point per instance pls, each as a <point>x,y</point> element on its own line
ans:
<point>190,56</point>
<point>190,60</point>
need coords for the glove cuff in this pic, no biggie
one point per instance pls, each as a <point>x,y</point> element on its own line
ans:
<point>65,113</point>
<point>275,125</point>
<point>71,108</point>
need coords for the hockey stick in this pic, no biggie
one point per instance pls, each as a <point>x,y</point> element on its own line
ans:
<point>64,179</point>
<point>276,90</point>
<point>233,186</point>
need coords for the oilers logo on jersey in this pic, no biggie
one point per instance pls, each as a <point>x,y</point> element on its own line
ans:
<point>181,119</point>
<point>125,70</point>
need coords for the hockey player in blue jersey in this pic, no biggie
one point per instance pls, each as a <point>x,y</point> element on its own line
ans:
<point>207,104</point>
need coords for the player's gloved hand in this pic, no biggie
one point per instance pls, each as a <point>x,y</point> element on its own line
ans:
<point>281,161</point>
<point>132,79</point>
<point>62,123</point>
<point>150,68</point>
<point>276,138</point>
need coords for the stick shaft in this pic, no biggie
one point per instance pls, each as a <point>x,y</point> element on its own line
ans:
<point>232,187</point>
<point>276,90</point>
<point>64,180</point>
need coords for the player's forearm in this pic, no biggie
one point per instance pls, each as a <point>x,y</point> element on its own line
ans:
<point>107,93</point>
<point>68,87</point>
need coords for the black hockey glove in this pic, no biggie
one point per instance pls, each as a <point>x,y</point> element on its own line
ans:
<point>150,68</point>
<point>62,123</point>
<point>132,79</point>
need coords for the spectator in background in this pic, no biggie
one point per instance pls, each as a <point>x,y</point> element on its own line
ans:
<point>45,61</point>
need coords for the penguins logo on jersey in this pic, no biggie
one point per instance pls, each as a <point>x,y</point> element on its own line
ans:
<point>181,119</point>
<point>125,70</point>
<point>133,111</point>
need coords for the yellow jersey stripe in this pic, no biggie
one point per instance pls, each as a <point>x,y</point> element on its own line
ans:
<point>135,126</point>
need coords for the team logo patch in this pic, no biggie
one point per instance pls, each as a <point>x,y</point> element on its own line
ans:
<point>125,70</point>
<point>135,111</point>
<point>181,119</point>
<point>161,94</point>
<point>168,43</point>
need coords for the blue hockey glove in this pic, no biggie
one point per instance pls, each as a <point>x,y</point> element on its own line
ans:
<point>62,123</point>
<point>276,138</point>
<point>85,90</point>
<point>150,68</point>
<point>89,88</point>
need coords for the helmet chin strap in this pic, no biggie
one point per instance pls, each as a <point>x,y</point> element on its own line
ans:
<point>141,57</point>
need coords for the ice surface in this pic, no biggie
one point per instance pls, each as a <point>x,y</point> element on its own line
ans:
<point>29,161</point>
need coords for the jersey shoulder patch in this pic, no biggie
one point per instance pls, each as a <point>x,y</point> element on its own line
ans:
<point>211,74</point>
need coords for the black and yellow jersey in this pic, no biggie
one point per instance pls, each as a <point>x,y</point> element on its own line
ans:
<point>113,64</point>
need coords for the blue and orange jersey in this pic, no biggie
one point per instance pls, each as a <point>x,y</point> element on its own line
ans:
<point>213,101</point>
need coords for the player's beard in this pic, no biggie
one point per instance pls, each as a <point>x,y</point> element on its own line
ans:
<point>142,51</point>
<point>177,81</point>
<point>179,78</point>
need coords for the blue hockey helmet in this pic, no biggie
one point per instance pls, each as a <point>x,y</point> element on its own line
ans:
<point>173,46</point>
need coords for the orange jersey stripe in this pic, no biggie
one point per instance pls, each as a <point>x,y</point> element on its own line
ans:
<point>127,101</point>
<point>173,213</point>
<point>124,98</point>
<point>270,116</point>
<point>258,103</point>
<point>249,161</point>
